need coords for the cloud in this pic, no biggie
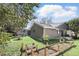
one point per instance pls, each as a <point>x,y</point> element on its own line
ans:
<point>71,8</point>
<point>57,13</point>
<point>65,14</point>
<point>48,9</point>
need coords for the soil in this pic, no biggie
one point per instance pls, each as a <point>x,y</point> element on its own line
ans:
<point>53,49</point>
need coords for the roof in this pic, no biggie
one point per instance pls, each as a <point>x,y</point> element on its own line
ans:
<point>46,25</point>
<point>57,26</point>
<point>63,27</point>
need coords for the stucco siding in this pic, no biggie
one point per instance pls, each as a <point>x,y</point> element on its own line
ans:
<point>51,32</point>
<point>37,31</point>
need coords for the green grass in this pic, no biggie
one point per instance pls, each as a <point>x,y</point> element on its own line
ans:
<point>74,51</point>
<point>13,47</point>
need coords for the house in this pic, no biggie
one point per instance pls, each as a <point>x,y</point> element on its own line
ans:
<point>22,32</point>
<point>41,30</point>
<point>70,33</point>
<point>63,26</point>
<point>66,31</point>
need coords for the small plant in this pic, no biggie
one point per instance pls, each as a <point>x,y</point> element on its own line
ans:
<point>4,37</point>
<point>46,39</point>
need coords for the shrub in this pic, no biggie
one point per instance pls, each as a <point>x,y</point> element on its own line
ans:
<point>4,37</point>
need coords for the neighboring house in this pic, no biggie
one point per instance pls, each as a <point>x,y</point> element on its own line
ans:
<point>26,30</point>
<point>66,30</point>
<point>41,30</point>
<point>22,32</point>
<point>70,33</point>
<point>63,27</point>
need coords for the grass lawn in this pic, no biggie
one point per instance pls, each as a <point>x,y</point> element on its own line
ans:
<point>13,47</point>
<point>74,51</point>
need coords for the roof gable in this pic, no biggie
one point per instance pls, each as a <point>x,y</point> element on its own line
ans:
<point>45,25</point>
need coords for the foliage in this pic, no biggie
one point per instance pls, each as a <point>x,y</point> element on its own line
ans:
<point>4,37</point>
<point>73,24</point>
<point>13,17</point>
<point>46,39</point>
<point>28,10</point>
<point>13,47</point>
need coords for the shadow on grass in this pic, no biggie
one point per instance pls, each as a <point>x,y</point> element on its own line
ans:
<point>50,41</point>
<point>38,39</point>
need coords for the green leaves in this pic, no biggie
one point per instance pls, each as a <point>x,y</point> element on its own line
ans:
<point>4,37</point>
<point>46,37</point>
<point>13,17</point>
<point>74,24</point>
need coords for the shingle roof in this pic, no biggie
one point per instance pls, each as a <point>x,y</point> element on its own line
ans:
<point>46,25</point>
<point>63,26</point>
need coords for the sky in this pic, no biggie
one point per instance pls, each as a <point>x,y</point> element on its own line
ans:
<point>56,12</point>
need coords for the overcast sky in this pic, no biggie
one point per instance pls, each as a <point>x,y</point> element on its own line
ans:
<point>57,12</point>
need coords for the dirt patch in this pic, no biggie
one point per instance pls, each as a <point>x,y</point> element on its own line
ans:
<point>52,50</point>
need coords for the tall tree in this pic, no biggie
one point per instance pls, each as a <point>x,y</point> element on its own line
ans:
<point>74,25</point>
<point>13,17</point>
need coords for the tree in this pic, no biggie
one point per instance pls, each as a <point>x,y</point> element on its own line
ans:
<point>74,25</point>
<point>4,37</point>
<point>28,10</point>
<point>13,17</point>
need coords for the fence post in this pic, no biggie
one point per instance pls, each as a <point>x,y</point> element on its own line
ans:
<point>58,47</point>
<point>32,52</point>
<point>46,51</point>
